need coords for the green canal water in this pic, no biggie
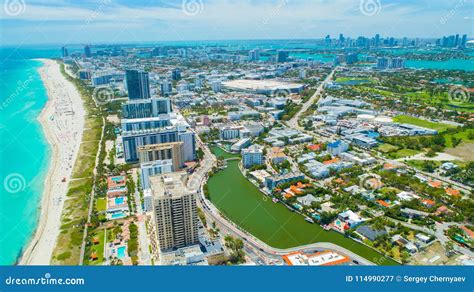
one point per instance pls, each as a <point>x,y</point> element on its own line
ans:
<point>219,152</point>
<point>272,223</point>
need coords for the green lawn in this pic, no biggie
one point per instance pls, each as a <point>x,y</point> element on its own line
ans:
<point>386,190</point>
<point>421,123</point>
<point>440,99</point>
<point>464,135</point>
<point>100,204</point>
<point>385,148</point>
<point>403,153</point>
<point>421,164</point>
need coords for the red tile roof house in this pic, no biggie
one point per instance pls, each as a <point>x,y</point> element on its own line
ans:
<point>468,232</point>
<point>428,203</point>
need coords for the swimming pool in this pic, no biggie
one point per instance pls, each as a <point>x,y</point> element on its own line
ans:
<point>121,252</point>
<point>117,215</point>
<point>119,200</point>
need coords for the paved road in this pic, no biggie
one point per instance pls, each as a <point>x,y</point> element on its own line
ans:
<point>293,122</point>
<point>144,256</point>
<point>196,182</point>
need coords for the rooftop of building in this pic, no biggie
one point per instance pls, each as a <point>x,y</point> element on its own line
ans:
<point>324,258</point>
<point>261,85</point>
<point>118,181</point>
<point>170,184</point>
<point>158,146</point>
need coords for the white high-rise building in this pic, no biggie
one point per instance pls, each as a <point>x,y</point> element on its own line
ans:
<point>254,55</point>
<point>216,86</point>
<point>166,87</point>
<point>252,156</point>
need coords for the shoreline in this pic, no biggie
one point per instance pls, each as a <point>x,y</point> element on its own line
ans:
<point>62,120</point>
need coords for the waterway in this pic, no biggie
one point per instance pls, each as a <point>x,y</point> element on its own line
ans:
<point>274,224</point>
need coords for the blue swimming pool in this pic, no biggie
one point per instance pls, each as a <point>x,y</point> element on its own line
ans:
<point>119,200</point>
<point>117,215</point>
<point>121,252</point>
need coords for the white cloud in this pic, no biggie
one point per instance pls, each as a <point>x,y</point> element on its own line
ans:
<point>227,19</point>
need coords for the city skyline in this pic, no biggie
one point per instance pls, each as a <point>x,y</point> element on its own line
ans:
<point>106,21</point>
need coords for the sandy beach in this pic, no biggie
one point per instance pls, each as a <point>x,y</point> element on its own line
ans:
<point>62,120</point>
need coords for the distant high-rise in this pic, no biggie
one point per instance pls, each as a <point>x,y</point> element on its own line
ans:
<point>382,63</point>
<point>166,87</point>
<point>352,58</point>
<point>137,84</point>
<point>327,40</point>
<point>216,85</point>
<point>64,52</point>
<point>392,42</point>
<point>174,211</point>
<point>377,40</point>
<point>405,42</point>
<point>282,56</point>
<point>176,74</point>
<point>390,63</point>
<point>87,51</point>
<point>254,55</point>
<point>464,40</point>
<point>452,41</point>
<point>397,63</point>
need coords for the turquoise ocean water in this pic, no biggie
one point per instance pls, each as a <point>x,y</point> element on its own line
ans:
<point>24,153</point>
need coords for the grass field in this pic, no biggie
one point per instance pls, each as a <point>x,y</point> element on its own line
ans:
<point>403,153</point>
<point>420,164</point>
<point>464,135</point>
<point>100,204</point>
<point>440,99</point>
<point>385,148</point>
<point>421,123</point>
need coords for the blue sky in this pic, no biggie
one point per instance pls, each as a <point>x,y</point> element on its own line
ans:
<point>108,21</point>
